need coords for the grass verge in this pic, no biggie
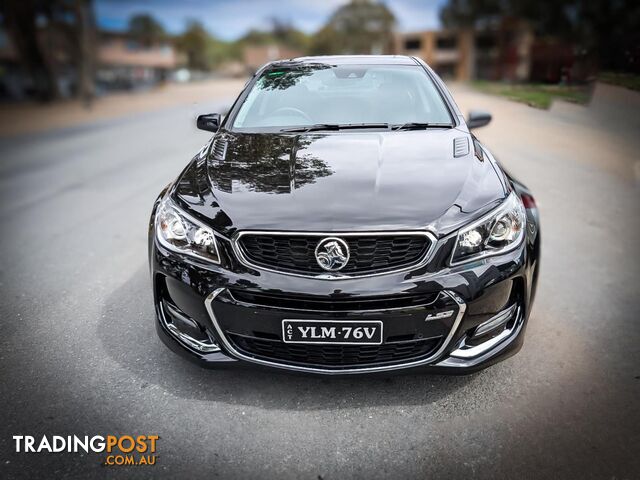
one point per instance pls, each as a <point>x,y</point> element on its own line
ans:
<point>626,80</point>
<point>535,94</point>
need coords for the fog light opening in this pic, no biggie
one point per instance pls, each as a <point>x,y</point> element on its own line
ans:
<point>495,322</point>
<point>186,330</point>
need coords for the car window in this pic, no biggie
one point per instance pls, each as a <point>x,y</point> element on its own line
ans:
<point>307,94</point>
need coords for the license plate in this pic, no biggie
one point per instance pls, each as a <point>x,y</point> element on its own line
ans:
<point>332,331</point>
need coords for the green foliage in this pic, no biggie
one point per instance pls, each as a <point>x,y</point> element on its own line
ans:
<point>203,51</point>
<point>193,43</point>
<point>281,33</point>
<point>361,26</point>
<point>468,13</point>
<point>219,52</point>
<point>146,29</point>
<point>285,33</point>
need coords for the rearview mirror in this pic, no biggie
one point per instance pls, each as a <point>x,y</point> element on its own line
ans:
<point>209,122</point>
<point>478,118</point>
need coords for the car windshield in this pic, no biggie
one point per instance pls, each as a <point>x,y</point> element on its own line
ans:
<point>302,95</point>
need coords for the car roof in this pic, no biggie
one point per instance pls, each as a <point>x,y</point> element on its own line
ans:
<point>354,59</point>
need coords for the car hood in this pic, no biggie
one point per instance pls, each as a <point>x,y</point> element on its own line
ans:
<point>340,181</point>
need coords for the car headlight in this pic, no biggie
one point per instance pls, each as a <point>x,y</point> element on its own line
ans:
<point>180,232</point>
<point>497,232</point>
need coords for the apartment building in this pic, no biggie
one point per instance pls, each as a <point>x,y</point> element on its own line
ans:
<point>501,52</point>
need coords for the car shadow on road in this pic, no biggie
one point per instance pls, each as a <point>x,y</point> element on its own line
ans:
<point>127,332</point>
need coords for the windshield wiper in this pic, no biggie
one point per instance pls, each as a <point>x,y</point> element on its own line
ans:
<point>334,126</point>
<point>420,126</point>
<point>348,126</point>
<point>311,128</point>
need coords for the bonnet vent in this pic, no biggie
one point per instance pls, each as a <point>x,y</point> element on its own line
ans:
<point>460,147</point>
<point>219,148</point>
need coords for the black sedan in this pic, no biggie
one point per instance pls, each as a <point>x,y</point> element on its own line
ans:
<point>344,219</point>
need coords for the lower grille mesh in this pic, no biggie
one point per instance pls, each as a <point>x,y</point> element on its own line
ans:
<point>333,355</point>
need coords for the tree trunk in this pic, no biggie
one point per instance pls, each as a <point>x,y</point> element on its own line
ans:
<point>20,17</point>
<point>86,64</point>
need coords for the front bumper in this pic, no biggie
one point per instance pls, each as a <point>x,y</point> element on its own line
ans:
<point>233,315</point>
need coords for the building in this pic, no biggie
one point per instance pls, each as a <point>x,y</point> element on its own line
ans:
<point>501,52</point>
<point>124,62</point>
<point>121,62</point>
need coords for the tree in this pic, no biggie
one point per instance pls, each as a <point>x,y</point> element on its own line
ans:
<point>469,13</point>
<point>285,33</point>
<point>605,30</point>
<point>86,54</point>
<point>75,21</point>
<point>361,26</point>
<point>281,33</point>
<point>20,18</point>
<point>31,22</point>
<point>146,29</point>
<point>194,43</point>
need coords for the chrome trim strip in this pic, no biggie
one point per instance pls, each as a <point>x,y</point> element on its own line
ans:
<point>188,340</point>
<point>229,347</point>
<point>465,352</point>
<point>471,352</point>
<point>397,342</point>
<point>495,349</point>
<point>369,310</point>
<point>332,276</point>
<point>495,321</point>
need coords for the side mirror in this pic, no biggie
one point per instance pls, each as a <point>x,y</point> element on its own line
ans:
<point>478,118</point>
<point>209,122</point>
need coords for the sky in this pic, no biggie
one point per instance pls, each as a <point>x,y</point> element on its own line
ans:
<point>229,19</point>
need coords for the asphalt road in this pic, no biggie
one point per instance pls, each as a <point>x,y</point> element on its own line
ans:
<point>79,354</point>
